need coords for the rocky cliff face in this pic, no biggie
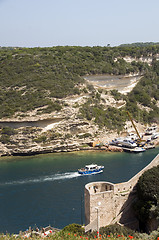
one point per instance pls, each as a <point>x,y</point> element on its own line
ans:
<point>145,59</point>
<point>63,130</point>
<point>67,134</point>
<point>58,131</point>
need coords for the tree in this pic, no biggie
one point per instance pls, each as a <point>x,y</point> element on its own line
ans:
<point>147,205</point>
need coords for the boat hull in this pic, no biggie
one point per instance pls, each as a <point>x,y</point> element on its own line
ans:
<point>90,172</point>
<point>135,150</point>
<point>91,169</point>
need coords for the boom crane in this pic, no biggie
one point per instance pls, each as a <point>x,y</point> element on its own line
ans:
<point>140,140</point>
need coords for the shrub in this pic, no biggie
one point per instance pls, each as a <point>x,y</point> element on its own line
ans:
<point>147,205</point>
<point>8,131</point>
<point>115,229</point>
<point>5,139</point>
<point>74,228</point>
<point>40,139</point>
<point>85,135</point>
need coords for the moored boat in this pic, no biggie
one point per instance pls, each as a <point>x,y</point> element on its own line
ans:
<point>124,142</point>
<point>91,169</point>
<point>134,150</point>
<point>151,130</point>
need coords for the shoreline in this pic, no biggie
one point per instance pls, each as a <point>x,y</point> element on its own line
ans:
<point>25,144</point>
<point>78,149</point>
<point>108,149</point>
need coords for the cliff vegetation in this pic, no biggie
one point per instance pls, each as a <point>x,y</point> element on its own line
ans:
<point>36,77</point>
<point>147,206</point>
<point>48,83</point>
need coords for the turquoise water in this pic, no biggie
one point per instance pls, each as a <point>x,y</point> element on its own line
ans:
<point>46,189</point>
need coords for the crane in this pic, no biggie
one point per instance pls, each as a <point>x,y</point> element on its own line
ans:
<point>140,140</point>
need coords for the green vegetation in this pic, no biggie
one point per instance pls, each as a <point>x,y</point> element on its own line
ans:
<point>146,93</point>
<point>76,232</point>
<point>85,135</point>
<point>40,139</point>
<point>6,133</point>
<point>111,118</point>
<point>54,135</point>
<point>147,206</point>
<point>74,228</point>
<point>33,78</point>
<point>139,44</point>
<point>117,231</point>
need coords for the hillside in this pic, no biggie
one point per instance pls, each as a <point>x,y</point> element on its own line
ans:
<point>38,85</point>
<point>139,44</point>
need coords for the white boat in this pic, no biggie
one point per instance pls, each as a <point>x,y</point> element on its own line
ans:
<point>123,142</point>
<point>135,150</point>
<point>151,130</point>
<point>91,169</point>
<point>128,143</point>
<point>154,136</point>
<point>132,136</point>
<point>138,150</point>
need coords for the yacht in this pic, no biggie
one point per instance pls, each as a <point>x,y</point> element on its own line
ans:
<point>123,142</point>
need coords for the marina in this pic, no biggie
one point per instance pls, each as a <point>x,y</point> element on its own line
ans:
<point>136,143</point>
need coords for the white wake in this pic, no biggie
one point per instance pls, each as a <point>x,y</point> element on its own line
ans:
<point>50,178</point>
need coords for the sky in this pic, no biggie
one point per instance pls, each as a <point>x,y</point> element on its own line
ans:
<point>46,23</point>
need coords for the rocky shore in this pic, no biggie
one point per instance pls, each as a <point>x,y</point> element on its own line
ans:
<point>58,132</point>
<point>35,140</point>
<point>9,150</point>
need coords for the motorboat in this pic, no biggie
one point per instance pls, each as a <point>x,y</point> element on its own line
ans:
<point>132,136</point>
<point>138,150</point>
<point>124,142</point>
<point>128,143</point>
<point>91,169</point>
<point>151,130</point>
<point>154,136</point>
<point>135,150</point>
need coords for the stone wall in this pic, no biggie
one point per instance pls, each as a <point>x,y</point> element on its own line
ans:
<point>110,203</point>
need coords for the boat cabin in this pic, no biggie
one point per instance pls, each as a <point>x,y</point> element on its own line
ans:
<point>91,167</point>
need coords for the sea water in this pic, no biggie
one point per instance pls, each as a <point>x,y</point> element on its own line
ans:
<point>47,189</point>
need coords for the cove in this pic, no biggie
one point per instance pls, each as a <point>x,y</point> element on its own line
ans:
<point>46,189</point>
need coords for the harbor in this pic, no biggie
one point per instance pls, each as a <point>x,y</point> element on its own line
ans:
<point>132,142</point>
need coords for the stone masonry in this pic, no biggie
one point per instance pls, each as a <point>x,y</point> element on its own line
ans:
<point>107,203</point>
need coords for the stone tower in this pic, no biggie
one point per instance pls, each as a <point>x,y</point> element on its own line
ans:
<point>107,203</point>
